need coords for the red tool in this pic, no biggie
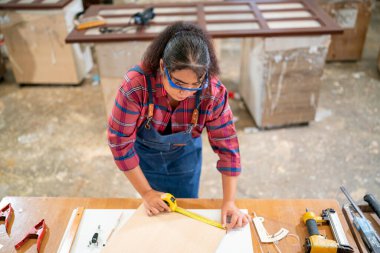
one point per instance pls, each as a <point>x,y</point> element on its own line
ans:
<point>37,232</point>
<point>6,214</point>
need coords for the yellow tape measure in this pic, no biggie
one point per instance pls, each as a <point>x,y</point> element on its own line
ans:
<point>172,203</point>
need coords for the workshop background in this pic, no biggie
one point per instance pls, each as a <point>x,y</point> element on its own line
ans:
<point>53,136</point>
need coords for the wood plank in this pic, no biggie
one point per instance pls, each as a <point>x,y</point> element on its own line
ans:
<point>349,45</point>
<point>68,241</point>
<point>165,233</point>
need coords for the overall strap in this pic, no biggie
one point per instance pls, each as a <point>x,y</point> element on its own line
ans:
<point>195,115</point>
<point>150,92</point>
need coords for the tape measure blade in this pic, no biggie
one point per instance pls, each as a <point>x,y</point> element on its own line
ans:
<point>199,217</point>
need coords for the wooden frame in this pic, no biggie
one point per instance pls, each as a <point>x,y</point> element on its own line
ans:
<point>257,25</point>
<point>33,4</point>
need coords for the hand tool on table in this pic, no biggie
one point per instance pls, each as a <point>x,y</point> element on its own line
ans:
<point>89,22</point>
<point>264,236</point>
<point>136,20</point>
<point>318,243</point>
<point>6,214</point>
<point>37,232</point>
<point>142,18</point>
<point>170,200</point>
<point>373,203</point>
<point>363,225</point>
<point>95,240</point>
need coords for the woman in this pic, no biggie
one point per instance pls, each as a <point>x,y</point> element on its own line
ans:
<point>160,111</point>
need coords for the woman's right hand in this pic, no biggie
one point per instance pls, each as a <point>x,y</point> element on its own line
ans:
<point>153,203</point>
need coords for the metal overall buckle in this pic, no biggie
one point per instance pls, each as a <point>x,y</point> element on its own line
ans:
<point>190,128</point>
<point>147,125</point>
<point>150,115</point>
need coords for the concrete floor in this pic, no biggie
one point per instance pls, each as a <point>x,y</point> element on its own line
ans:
<point>53,140</point>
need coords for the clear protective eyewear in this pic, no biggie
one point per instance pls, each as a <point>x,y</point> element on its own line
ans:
<point>202,86</point>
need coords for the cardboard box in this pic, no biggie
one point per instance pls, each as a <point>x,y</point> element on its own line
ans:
<point>37,51</point>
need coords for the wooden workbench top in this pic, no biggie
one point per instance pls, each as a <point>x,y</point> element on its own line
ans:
<point>57,212</point>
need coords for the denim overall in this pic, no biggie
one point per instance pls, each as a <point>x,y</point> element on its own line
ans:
<point>171,163</point>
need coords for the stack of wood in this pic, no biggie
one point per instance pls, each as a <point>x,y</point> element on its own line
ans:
<point>354,17</point>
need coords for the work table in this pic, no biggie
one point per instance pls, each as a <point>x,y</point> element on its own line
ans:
<point>284,213</point>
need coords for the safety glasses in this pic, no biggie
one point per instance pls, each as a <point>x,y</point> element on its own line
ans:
<point>202,86</point>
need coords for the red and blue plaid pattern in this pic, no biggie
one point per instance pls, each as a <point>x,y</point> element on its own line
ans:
<point>130,111</point>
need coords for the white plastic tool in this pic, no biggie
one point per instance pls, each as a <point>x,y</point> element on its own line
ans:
<point>265,237</point>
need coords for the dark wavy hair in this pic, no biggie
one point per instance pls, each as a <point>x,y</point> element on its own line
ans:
<point>182,46</point>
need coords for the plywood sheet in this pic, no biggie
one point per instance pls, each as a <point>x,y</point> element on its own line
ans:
<point>106,221</point>
<point>167,232</point>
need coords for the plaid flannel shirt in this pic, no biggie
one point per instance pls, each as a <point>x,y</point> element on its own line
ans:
<point>130,111</point>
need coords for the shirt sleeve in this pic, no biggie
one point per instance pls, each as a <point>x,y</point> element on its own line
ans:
<point>222,135</point>
<point>122,125</point>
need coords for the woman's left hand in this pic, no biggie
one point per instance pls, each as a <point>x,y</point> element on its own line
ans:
<point>237,218</point>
